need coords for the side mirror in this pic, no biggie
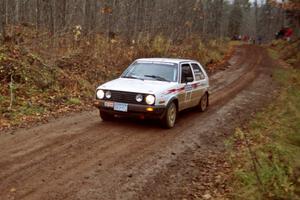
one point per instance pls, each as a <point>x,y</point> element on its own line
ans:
<point>189,79</point>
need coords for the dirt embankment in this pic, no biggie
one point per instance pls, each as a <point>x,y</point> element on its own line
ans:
<point>80,157</point>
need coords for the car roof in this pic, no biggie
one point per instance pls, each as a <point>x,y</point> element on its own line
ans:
<point>165,60</point>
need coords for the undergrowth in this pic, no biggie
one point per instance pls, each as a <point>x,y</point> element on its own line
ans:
<point>288,51</point>
<point>266,154</point>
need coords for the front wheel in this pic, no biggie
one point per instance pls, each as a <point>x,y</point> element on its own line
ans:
<point>204,102</point>
<point>169,119</point>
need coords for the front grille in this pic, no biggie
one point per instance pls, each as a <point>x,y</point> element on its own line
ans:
<point>126,97</point>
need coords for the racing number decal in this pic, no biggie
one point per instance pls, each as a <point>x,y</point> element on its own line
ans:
<point>188,92</point>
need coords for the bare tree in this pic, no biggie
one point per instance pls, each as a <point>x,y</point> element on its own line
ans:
<point>3,10</point>
<point>131,19</point>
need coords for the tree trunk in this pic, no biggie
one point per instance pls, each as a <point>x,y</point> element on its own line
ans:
<point>37,14</point>
<point>52,14</point>
<point>63,13</point>
<point>2,19</point>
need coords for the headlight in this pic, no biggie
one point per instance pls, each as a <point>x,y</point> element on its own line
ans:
<point>139,98</point>
<point>150,99</point>
<point>100,94</point>
<point>108,94</point>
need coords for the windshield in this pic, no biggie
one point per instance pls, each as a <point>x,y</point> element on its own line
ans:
<point>152,71</point>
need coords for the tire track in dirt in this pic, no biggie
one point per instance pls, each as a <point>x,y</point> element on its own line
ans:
<point>220,94</point>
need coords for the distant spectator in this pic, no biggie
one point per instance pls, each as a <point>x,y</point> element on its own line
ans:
<point>246,38</point>
<point>280,34</point>
<point>235,37</point>
<point>259,39</point>
<point>288,34</point>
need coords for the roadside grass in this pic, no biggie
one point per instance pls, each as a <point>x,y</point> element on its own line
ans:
<point>265,154</point>
<point>235,43</point>
<point>74,101</point>
<point>287,51</point>
<point>273,53</point>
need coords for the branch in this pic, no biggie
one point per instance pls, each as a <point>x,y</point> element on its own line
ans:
<point>11,84</point>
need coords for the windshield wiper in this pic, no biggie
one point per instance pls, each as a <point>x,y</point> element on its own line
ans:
<point>133,77</point>
<point>159,78</point>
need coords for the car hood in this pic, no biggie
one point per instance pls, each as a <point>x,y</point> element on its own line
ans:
<point>137,85</point>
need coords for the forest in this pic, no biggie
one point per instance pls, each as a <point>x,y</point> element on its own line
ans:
<point>134,19</point>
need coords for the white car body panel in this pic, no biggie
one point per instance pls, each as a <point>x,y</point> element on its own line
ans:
<point>157,88</point>
<point>137,85</point>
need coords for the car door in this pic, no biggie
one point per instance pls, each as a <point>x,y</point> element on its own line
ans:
<point>186,85</point>
<point>200,84</point>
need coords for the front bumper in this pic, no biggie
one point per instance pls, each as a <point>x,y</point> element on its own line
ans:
<point>134,110</point>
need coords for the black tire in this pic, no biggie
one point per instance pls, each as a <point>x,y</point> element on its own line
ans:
<point>105,116</point>
<point>169,119</point>
<point>204,102</point>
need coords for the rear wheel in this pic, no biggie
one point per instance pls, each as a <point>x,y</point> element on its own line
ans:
<point>204,102</point>
<point>105,116</point>
<point>170,116</point>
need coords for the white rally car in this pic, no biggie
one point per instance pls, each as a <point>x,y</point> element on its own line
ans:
<point>155,88</point>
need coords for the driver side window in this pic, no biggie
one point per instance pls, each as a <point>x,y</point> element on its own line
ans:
<point>186,73</point>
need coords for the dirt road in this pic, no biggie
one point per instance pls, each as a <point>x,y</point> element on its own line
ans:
<point>80,157</point>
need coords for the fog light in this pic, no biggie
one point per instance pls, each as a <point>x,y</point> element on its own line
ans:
<point>150,109</point>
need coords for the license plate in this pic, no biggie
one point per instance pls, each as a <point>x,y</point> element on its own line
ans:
<point>122,107</point>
